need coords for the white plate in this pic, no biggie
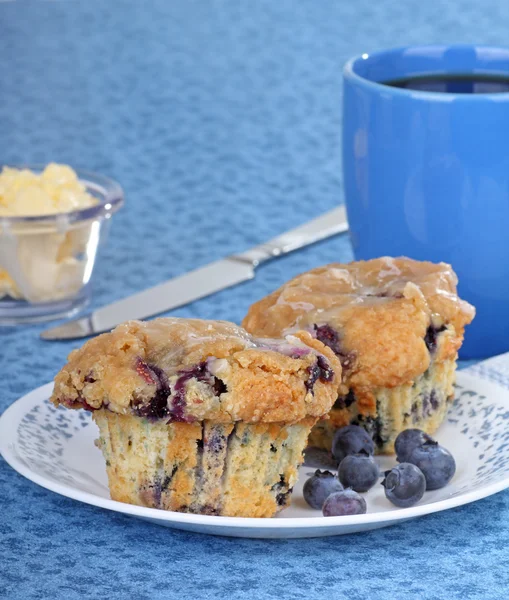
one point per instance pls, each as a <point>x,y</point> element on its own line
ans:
<point>55,449</point>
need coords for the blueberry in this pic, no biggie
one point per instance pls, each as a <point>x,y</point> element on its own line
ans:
<point>408,440</point>
<point>330,337</point>
<point>157,408</point>
<point>351,439</point>
<point>219,387</point>
<point>326,372</point>
<point>358,471</point>
<point>344,401</point>
<point>404,485</point>
<point>344,503</point>
<point>200,371</point>
<point>318,487</point>
<point>431,337</point>
<point>437,464</point>
<point>320,370</point>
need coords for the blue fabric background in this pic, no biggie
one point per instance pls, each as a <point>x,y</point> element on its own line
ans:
<point>222,121</point>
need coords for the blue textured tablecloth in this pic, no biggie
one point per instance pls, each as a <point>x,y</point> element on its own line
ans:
<point>222,122</point>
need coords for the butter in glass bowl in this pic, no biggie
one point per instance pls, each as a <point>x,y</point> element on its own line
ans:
<point>52,221</point>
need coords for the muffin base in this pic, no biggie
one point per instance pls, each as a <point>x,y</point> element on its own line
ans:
<point>238,470</point>
<point>422,404</point>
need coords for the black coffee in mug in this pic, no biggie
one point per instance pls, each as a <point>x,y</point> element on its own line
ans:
<point>454,83</point>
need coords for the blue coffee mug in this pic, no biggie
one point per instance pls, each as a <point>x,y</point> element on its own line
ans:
<point>426,174</point>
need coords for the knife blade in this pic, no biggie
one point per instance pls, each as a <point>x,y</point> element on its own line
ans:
<point>201,282</point>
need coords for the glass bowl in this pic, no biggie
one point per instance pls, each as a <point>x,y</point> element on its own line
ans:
<point>47,262</point>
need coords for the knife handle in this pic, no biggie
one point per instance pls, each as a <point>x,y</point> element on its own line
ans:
<point>329,224</point>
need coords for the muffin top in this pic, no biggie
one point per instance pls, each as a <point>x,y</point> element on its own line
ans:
<point>384,318</point>
<point>190,370</point>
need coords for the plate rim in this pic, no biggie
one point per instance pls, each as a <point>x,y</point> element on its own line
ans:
<point>12,416</point>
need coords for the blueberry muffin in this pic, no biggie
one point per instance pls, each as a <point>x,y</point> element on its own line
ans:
<point>396,325</point>
<point>198,416</point>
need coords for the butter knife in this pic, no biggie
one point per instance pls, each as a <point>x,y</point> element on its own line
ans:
<point>201,282</point>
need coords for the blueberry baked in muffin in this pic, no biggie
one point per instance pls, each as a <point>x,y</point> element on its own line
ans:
<point>198,416</point>
<point>395,324</point>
